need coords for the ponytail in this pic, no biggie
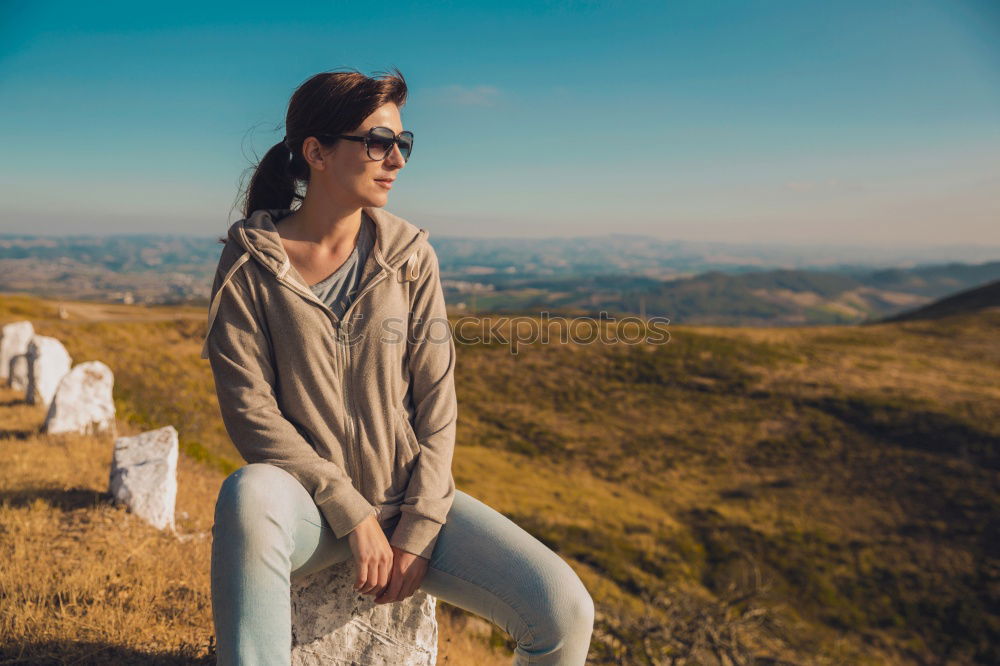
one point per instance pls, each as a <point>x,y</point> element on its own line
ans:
<point>272,184</point>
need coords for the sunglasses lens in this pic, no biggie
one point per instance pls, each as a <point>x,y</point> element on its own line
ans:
<point>406,144</point>
<point>381,139</point>
<point>379,143</point>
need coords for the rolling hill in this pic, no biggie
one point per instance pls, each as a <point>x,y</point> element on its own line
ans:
<point>970,300</point>
<point>820,495</point>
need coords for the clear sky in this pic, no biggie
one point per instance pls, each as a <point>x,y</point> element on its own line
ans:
<point>793,121</point>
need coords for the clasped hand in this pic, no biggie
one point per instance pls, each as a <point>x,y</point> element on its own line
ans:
<point>385,571</point>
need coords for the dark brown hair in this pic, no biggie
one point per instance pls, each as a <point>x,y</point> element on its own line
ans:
<point>326,103</point>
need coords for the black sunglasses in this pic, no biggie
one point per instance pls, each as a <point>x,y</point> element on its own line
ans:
<point>378,142</point>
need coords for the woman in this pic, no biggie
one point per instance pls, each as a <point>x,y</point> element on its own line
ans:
<point>334,368</point>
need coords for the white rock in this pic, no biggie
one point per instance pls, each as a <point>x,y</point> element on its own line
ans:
<point>19,373</point>
<point>83,402</point>
<point>144,475</point>
<point>48,363</point>
<point>14,339</point>
<point>333,624</point>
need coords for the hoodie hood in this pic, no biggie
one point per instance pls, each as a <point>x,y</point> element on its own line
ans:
<point>396,241</point>
<point>397,250</point>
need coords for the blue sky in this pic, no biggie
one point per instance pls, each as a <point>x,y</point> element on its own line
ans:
<point>868,122</point>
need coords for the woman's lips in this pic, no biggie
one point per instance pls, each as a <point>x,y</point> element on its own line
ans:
<point>387,184</point>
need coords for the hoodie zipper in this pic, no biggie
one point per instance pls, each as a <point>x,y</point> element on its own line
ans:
<point>343,341</point>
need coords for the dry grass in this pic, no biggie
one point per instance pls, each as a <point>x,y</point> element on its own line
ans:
<point>852,469</point>
<point>85,581</point>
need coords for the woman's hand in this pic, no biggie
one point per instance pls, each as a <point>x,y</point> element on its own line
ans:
<point>372,554</point>
<point>407,573</point>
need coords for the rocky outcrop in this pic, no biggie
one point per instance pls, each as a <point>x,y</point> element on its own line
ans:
<point>18,379</point>
<point>144,475</point>
<point>14,339</point>
<point>48,363</point>
<point>83,402</point>
<point>333,624</point>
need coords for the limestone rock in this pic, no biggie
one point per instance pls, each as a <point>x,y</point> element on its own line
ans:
<point>19,373</point>
<point>333,624</point>
<point>48,363</point>
<point>83,402</point>
<point>144,475</point>
<point>14,339</point>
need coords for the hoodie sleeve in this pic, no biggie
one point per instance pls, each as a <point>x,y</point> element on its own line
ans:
<point>240,355</point>
<point>431,487</point>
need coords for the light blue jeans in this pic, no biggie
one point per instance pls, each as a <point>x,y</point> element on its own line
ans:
<point>269,532</point>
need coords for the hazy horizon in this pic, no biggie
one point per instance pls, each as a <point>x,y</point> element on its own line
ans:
<point>767,254</point>
<point>777,243</point>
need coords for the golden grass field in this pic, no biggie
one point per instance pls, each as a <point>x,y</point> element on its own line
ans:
<point>822,495</point>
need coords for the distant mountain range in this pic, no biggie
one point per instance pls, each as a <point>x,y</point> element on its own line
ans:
<point>760,298</point>
<point>657,258</point>
<point>687,282</point>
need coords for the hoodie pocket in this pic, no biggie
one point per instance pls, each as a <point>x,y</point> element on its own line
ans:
<point>407,444</point>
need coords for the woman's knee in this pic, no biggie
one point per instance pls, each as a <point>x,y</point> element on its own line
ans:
<point>250,492</point>
<point>574,612</point>
<point>565,605</point>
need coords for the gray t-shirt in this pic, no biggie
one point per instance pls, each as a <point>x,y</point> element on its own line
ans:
<point>338,289</point>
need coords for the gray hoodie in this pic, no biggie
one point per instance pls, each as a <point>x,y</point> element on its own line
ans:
<point>361,411</point>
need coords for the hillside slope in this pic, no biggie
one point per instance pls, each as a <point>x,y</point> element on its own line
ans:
<point>964,302</point>
<point>818,495</point>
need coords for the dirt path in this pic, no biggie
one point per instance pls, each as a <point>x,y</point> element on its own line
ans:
<point>83,311</point>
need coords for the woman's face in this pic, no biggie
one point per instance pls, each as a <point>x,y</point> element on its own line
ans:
<point>345,173</point>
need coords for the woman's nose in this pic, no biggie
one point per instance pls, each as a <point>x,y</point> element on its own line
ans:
<point>396,157</point>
